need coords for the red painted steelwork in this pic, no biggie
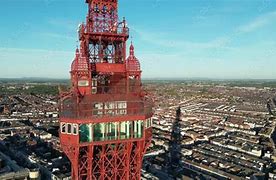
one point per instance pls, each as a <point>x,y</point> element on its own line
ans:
<point>105,120</point>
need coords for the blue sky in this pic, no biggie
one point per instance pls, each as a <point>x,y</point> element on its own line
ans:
<point>173,38</point>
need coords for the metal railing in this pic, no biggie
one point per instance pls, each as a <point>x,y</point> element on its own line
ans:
<point>117,89</point>
<point>102,29</point>
<point>87,110</point>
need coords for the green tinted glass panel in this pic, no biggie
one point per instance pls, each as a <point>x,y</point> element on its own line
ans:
<point>123,130</point>
<point>111,131</point>
<point>135,129</point>
<point>85,133</point>
<point>138,128</point>
<point>98,132</point>
<point>141,129</point>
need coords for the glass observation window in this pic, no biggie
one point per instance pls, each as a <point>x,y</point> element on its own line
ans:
<point>85,133</point>
<point>99,132</point>
<point>138,128</point>
<point>111,131</point>
<point>125,130</point>
<point>75,129</point>
<point>135,129</point>
<point>142,128</point>
<point>69,128</point>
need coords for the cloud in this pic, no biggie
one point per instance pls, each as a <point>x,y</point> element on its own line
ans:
<point>258,23</point>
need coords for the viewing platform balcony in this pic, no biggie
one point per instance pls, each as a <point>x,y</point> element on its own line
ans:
<point>104,31</point>
<point>105,106</point>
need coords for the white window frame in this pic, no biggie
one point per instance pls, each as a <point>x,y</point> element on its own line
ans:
<point>61,128</point>
<point>75,127</point>
<point>94,90</point>
<point>83,83</point>
<point>94,82</point>
<point>68,128</point>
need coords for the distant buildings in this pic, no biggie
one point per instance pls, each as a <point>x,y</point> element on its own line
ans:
<point>226,132</point>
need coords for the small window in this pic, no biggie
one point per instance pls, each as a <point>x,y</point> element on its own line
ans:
<point>140,128</point>
<point>111,131</point>
<point>94,90</point>
<point>149,122</point>
<point>75,129</point>
<point>99,132</point>
<point>83,83</point>
<point>63,127</point>
<point>69,128</point>
<point>94,82</point>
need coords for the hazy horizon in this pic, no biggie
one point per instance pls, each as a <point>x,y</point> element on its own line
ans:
<point>156,78</point>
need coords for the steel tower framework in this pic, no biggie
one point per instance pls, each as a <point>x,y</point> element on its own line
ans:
<point>105,119</point>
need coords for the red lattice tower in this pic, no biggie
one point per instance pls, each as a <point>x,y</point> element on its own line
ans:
<point>105,120</point>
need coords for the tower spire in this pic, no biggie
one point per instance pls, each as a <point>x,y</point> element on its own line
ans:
<point>131,49</point>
